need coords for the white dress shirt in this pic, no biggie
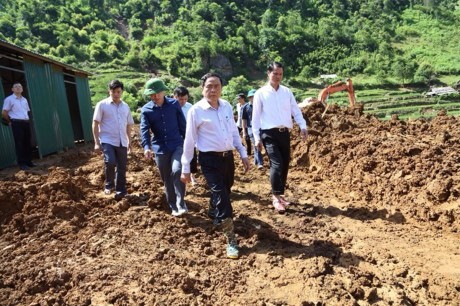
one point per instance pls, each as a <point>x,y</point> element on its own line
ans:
<point>275,108</point>
<point>113,120</point>
<point>17,107</point>
<point>187,106</point>
<point>210,129</point>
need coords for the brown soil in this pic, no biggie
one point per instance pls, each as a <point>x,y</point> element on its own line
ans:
<point>374,220</point>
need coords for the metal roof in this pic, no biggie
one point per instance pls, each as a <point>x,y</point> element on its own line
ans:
<point>34,54</point>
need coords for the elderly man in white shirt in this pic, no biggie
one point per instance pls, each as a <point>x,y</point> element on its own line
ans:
<point>212,129</point>
<point>15,112</point>
<point>112,121</point>
<point>274,106</point>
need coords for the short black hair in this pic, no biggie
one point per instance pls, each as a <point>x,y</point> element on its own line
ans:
<point>274,65</point>
<point>181,91</point>
<point>210,75</point>
<point>114,84</point>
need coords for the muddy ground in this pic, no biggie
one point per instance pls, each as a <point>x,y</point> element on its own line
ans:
<point>374,221</point>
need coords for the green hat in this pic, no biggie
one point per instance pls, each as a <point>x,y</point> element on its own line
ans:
<point>154,86</point>
<point>251,93</point>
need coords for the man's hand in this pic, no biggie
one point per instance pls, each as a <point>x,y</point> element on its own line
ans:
<point>148,154</point>
<point>303,134</point>
<point>246,164</point>
<point>97,148</point>
<point>185,178</point>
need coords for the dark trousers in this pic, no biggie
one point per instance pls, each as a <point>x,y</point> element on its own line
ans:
<point>115,157</point>
<point>219,172</point>
<point>22,135</point>
<point>278,148</point>
<point>247,139</point>
<point>194,163</point>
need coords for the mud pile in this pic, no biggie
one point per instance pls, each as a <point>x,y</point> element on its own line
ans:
<point>63,242</point>
<point>411,166</point>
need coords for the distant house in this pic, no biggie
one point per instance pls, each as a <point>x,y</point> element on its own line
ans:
<point>440,91</point>
<point>59,98</point>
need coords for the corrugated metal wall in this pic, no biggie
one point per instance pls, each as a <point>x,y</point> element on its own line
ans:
<point>45,114</point>
<point>66,134</point>
<point>86,110</point>
<point>7,150</point>
<point>51,118</point>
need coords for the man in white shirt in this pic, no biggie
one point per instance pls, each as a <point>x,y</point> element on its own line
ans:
<point>212,129</point>
<point>181,94</point>
<point>112,121</point>
<point>273,108</point>
<point>16,113</point>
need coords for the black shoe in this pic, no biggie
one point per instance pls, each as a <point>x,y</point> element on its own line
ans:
<point>31,164</point>
<point>119,195</point>
<point>23,167</point>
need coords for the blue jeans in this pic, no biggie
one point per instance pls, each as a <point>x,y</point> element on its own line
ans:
<point>219,172</point>
<point>170,170</point>
<point>115,157</point>
<point>258,158</point>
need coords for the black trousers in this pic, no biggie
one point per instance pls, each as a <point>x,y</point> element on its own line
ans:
<point>219,172</point>
<point>278,147</point>
<point>22,136</point>
<point>194,163</point>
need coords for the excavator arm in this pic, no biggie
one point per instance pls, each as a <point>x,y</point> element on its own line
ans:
<point>336,87</point>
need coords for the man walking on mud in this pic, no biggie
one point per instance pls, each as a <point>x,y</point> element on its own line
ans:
<point>112,121</point>
<point>212,129</point>
<point>163,117</point>
<point>273,108</point>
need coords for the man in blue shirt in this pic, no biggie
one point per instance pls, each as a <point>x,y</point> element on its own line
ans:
<point>163,117</point>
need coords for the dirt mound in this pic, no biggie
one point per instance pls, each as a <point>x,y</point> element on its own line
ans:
<point>372,203</point>
<point>409,166</point>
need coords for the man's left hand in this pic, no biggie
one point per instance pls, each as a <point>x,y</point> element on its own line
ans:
<point>246,164</point>
<point>303,134</point>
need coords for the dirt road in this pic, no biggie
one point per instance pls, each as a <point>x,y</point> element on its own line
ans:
<point>374,220</point>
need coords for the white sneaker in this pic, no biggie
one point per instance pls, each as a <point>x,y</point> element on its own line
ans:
<point>182,211</point>
<point>179,212</point>
<point>107,191</point>
<point>176,213</point>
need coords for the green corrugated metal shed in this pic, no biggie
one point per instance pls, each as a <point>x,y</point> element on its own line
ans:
<point>59,98</point>
<point>7,154</point>
<point>86,110</point>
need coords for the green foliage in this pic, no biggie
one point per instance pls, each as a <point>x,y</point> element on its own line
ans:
<point>388,40</point>
<point>235,85</point>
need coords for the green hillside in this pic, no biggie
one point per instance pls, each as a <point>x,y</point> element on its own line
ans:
<point>377,42</point>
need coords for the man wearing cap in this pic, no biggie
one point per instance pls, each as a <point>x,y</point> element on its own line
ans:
<point>15,112</point>
<point>112,121</point>
<point>163,117</point>
<point>246,121</point>
<point>212,129</point>
<point>273,110</point>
